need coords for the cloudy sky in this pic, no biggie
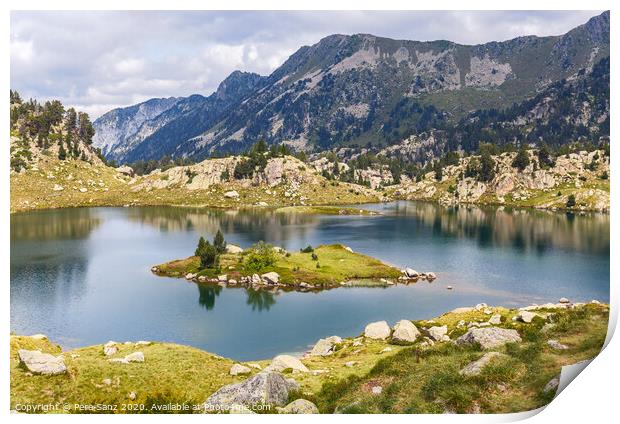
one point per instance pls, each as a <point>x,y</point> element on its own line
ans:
<point>97,61</point>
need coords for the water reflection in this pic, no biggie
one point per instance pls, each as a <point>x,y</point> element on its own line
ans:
<point>260,300</point>
<point>51,225</point>
<point>524,230</point>
<point>258,224</point>
<point>207,295</point>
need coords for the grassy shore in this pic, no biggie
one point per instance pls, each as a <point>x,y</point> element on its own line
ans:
<point>414,379</point>
<point>333,265</point>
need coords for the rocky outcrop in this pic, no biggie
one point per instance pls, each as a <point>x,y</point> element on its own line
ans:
<point>489,337</point>
<point>268,388</point>
<point>42,363</point>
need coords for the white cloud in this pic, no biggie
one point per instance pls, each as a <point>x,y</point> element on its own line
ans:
<point>130,66</point>
<point>22,51</point>
<point>99,60</point>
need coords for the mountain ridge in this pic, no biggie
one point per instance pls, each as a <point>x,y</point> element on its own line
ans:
<point>342,90</point>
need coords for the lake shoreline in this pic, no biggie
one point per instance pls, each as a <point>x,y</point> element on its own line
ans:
<point>565,330</point>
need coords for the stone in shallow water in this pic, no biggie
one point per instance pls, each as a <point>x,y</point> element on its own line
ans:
<point>42,363</point>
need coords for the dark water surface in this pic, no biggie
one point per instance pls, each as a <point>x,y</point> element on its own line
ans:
<point>82,276</point>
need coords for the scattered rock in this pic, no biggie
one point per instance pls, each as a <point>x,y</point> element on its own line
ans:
<point>325,347</point>
<point>83,189</point>
<point>132,395</point>
<point>564,300</point>
<point>350,364</point>
<point>132,357</point>
<point>42,363</point>
<point>379,330</point>
<point>39,337</point>
<point>449,287</point>
<point>231,194</point>
<point>430,276</point>
<point>58,187</point>
<point>299,406</point>
<point>143,343</point>
<point>476,367</point>
<point>264,388</point>
<point>231,248</point>
<point>222,278</point>
<point>480,306</point>
<point>376,390</point>
<point>411,273</point>
<point>238,369</point>
<point>256,366</point>
<point>190,276</point>
<point>526,316</point>
<point>110,348</point>
<point>489,337</point>
<point>271,277</point>
<point>125,170</point>
<point>495,319</point>
<point>385,350</point>
<point>439,333</point>
<point>107,381</point>
<point>552,385</point>
<point>405,331</point>
<point>282,362</point>
<point>547,327</point>
<point>554,344</point>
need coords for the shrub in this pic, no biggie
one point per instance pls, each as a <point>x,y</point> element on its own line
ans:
<point>307,249</point>
<point>522,160</point>
<point>260,256</point>
<point>571,202</point>
<point>315,257</point>
<point>219,243</point>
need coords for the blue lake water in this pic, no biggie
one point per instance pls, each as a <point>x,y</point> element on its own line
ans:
<point>82,276</point>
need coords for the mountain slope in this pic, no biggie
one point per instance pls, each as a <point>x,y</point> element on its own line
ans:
<point>346,90</point>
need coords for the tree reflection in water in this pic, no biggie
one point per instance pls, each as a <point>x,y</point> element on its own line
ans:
<point>207,295</point>
<point>260,299</point>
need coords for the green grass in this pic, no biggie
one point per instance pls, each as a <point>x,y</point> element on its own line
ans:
<point>415,379</point>
<point>427,380</point>
<point>170,373</point>
<point>337,265</point>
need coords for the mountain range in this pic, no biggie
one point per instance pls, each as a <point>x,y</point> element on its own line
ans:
<point>366,91</point>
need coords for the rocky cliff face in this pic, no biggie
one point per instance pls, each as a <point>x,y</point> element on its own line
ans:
<point>115,129</point>
<point>584,175</point>
<point>352,90</point>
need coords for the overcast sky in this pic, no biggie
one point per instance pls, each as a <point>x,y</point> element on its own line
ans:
<point>97,61</point>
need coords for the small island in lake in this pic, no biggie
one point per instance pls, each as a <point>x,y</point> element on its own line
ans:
<point>264,265</point>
